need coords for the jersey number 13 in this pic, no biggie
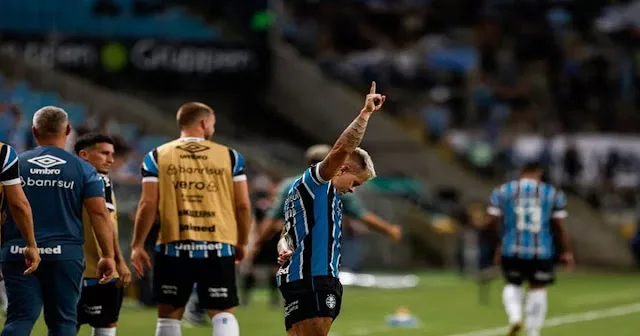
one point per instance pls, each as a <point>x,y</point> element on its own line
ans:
<point>528,218</point>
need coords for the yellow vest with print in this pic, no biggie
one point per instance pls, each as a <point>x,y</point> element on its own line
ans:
<point>195,180</point>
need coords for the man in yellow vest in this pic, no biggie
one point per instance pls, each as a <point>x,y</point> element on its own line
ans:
<point>199,188</point>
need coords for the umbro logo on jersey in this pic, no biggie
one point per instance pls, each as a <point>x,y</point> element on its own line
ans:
<point>193,148</point>
<point>46,162</point>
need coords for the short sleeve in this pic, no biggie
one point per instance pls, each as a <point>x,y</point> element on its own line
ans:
<point>559,205</point>
<point>93,183</point>
<point>149,169</point>
<point>108,193</point>
<point>495,206</point>
<point>353,206</point>
<point>237,165</point>
<point>311,177</point>
<point>10,172</point>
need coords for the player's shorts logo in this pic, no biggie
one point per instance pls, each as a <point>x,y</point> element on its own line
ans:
<point>193,148</point>
<point>46,162</point>
<point>330,301</point>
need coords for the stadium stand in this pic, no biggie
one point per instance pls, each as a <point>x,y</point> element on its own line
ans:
<point>100,18</point>
<point>475,80</point>
<point>462,84</point>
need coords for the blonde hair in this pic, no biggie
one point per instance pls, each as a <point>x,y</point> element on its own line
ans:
<point>368,162</point>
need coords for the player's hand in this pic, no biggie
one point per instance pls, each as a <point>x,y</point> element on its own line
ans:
<point>373,101</point>
<point>284,251</point>
<point>241,252</point>
<point>284,256</point>
<point>106,270</point>
<point>395,232</point>
<point>567,259</point>
<point>125,274</point>
<point>139,260</point>
<point>31,258</point>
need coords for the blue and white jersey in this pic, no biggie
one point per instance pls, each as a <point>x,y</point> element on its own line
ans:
<point>9,166</point>
<point>9,172</point>
<point>526,208</point>
<point>313,228</point>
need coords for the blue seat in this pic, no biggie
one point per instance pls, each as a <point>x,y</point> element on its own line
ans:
<point>128,131</point>
<point>76,112</point>
<point>21,88</point>
<point>50,99</point>
<point>76,17</point>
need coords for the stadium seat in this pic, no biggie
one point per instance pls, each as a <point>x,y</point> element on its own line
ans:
<point>77,17</point>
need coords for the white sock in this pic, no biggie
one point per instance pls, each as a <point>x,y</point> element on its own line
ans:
<point>168,327</point>
<point>512,301</point>
<point>225,324</point>
<point>536,311</point>
<point>103,331</point>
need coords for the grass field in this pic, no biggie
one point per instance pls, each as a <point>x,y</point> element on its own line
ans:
<point>580,304</point>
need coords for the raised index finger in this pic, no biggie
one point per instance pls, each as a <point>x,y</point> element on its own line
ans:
<point>373,88</point>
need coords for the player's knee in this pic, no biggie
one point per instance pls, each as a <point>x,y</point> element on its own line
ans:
<point>166,311</point>
<point>537,286</point>
<point>21,322</point>
<point>27,315</point>
<point>104,325</point>
<point>317,326</point>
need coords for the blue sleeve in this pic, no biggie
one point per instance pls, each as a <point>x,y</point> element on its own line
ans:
<point>353,206</point>
<point>10,172</point>
<point>560,205</point>
<point>237,165</point>
<point>495,206</point>
<point>311,177</point>
<point>149,169</point>
<point>93,184</point>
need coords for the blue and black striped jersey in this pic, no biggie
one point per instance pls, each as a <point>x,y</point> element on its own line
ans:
<point>313,228</point>
<point>526,208</point>
<point>9,167</point>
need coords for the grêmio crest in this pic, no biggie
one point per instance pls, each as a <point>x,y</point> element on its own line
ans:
<point>192,149</point>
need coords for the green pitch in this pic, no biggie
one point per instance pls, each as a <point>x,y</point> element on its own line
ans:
<point>580,304</point>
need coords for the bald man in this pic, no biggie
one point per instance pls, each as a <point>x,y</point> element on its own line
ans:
<point>199,188</point>
<point>57,184</point>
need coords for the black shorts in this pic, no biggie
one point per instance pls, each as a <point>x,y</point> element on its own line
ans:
<point>268,254</point>
<point>99,305</point>
<point>215,277</point>
<point>534,271</point>
<point>304,300</point>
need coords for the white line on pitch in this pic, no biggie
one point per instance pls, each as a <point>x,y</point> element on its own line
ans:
<point>566,319</point>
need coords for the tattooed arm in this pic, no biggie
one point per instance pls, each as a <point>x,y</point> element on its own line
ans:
<point>351,137</point>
